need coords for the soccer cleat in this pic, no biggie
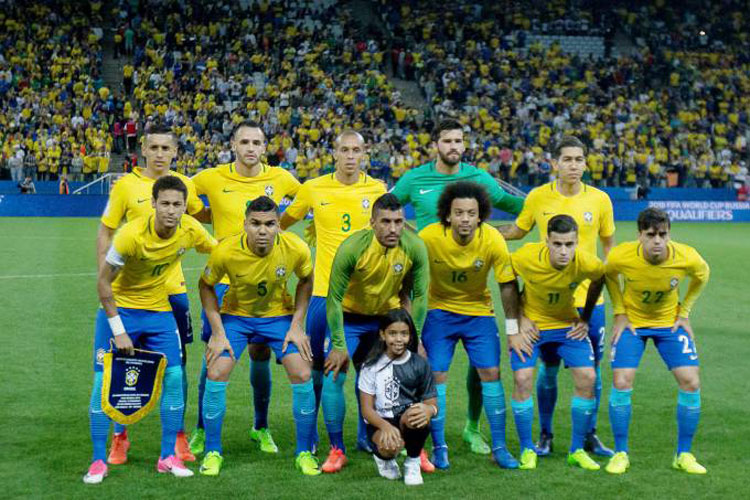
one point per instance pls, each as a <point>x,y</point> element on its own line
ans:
<point>174,466</point>
<point>182,449</point>
<point>544,445</point>
<point>504,459</point>
<point>118,453</point>
<point>593,444</point>
<point>440,457</point>
<point>335,462</point>
<point>97,472</point>
<point>364,445</point>
<point>686,461</point>
<point>211,464</point>
<point>580,458</point>
<point>264,439</point>
<point>476,441</point>
<point>618,464</point>
<point>387,468</point>
<point>307,464</point>
<point>412,472</point>
<point>424,463</point>
<point>528,459</point>
<point>197,441</point>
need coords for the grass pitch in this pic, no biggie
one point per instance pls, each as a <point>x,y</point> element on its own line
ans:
<point>49,301</point>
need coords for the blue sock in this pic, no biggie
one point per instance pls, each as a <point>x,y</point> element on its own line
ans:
<point>303,409</point>
<point>620,409</point>
<point>172,409</point>
<point>688,415</point>
<point>597,397</point>
<point>361,425</point>
<point>260,379</point>
<point>119,428</point>
<point>334,409</point>
<point>581,410</point>
<point>523,413</point>
<point>201,392</point>
<point>184,396</point>
<point>317,381</point>
<point>546,395</point>
<point>494,407</point>
<point>214,408</point>
<point>98,420</point>
<point>437,424</point>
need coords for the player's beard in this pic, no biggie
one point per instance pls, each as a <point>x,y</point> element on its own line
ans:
<point>446,160</point>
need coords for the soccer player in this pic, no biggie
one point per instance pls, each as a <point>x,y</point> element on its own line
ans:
<point>463,249</point>
<point>551,328</point>
<point>136,311</point>
<point>130,198</point>
<point>257,308</point>
<point>592,211</point>
<point>229,188</point>
<point>648,306</point>
<point>422,186</point>
<point>341,204</point>
<point>398,398</point>
<point>371,272</point>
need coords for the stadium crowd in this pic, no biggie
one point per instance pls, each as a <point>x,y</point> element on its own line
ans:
<point>673,113</point>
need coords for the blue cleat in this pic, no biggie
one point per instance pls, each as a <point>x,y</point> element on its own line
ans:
<point>364,445</point>
<point>592,444</point>
<point>440,457</point>
<point>544,445</point>
<point>504,459</point>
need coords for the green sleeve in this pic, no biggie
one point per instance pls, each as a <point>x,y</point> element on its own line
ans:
<point>342,268</point>
<point>402,189</point>
<point>500,199</point>
<point>421,278</point>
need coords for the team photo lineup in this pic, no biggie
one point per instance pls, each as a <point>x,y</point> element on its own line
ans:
<point>390,301</point>
<point>356,248</point>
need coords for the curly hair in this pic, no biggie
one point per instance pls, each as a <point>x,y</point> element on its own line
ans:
<point>463,189</point>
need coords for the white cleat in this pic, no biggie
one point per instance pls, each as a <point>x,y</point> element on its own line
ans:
<point>412,472</point>
<point>388,468</point>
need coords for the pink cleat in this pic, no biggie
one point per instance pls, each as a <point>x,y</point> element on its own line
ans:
<point>97,472</point>
<point>174,466</point>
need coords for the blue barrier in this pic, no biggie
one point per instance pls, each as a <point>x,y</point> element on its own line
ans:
<point>673,194</point>
<point>41,205</point>
<point>42,187</point>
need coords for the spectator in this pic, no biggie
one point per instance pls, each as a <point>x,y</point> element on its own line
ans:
<point>27,186</point>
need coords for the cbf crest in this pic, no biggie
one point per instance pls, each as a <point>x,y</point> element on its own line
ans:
<point>365,203</point>
<point>131,385</point>
<point>588,217</point>
<point>269,191</point>
<point>673,283</point>
<point>478,264</point>
<point>280,271</point>
<point>181,251</point>
<point>391,389</point>
<point>131,376</point>
<point>398,268</point>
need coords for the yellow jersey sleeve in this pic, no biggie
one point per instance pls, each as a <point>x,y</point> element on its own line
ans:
<point>501,256</point>
<point>606,217</point>
<point>117,205</point>
<point>302,203</point>
<point>526,218</point>
<point>215,269</point>
<point>202,240</point>
<point>194,204</point>
<point>304,265</point>
<point>698,272</point>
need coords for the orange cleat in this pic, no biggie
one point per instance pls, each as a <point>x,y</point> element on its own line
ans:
<point>335,462</point>
<point>118,453</point>
<point>182,448</point>
<point>425,464</point>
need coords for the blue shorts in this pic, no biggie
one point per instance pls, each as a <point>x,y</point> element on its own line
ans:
<point>479,334</point>
<point>361,333</point>
<point>221,289</point>
<point>316,326</point>
<point>181,311</point>
<point>597,331</point>
<point>149,330</point>
<point>676,349</point>
<point>271,331</point>
<point>554,345</point>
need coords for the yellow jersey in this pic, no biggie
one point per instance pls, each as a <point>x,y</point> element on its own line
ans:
<point>458,273</point>
<point>258,285</point>
<point>130,199</point>
<point>147,261</point>
<point>338,211</point>
<point>548,296</point>
<point>590,207</point>
<point>649,293</point>
<point>228,193</point>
